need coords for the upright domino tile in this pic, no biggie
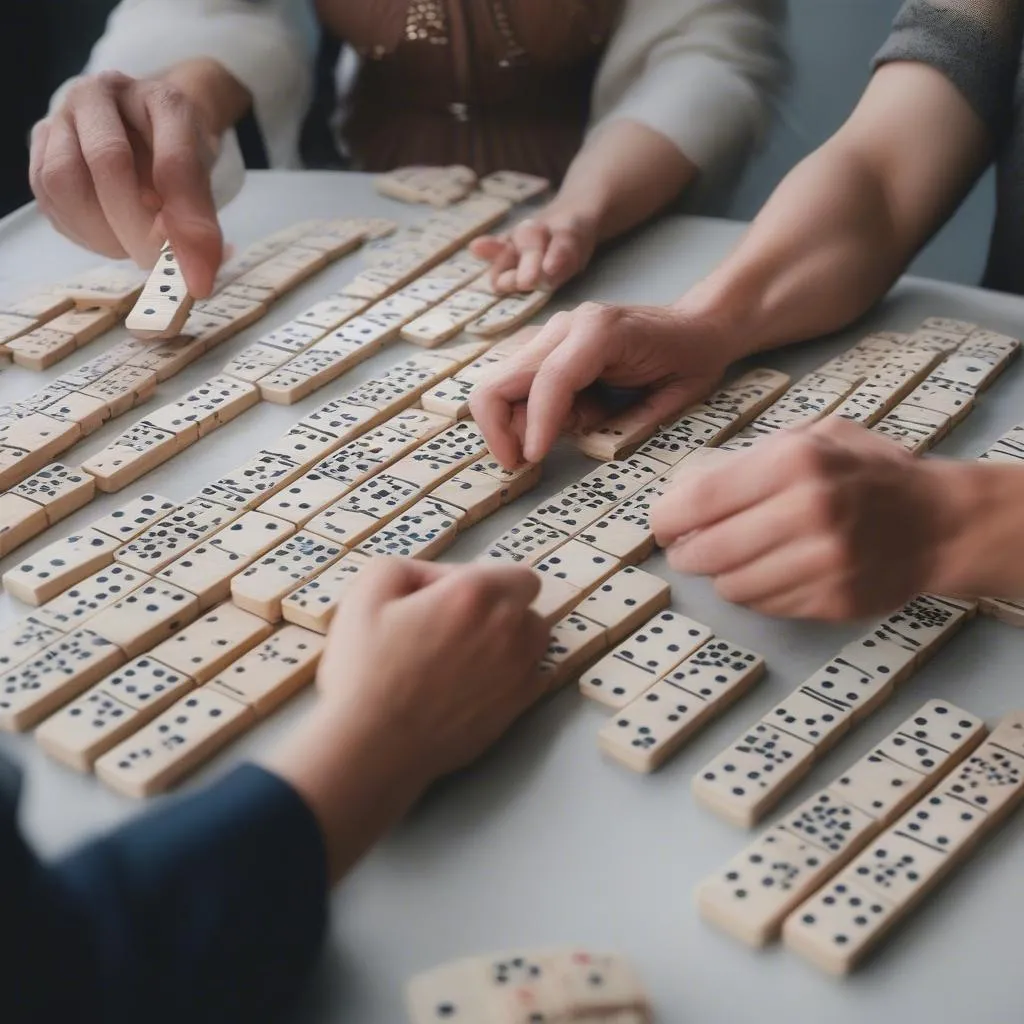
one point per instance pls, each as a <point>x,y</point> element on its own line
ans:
<point>648,654</point>
<point>175,742</point>
<point>750,901</point>
<point>271,672</point>
<point>164,305</point>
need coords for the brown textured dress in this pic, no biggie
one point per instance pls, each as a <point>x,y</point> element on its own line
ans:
<point>487,83</point>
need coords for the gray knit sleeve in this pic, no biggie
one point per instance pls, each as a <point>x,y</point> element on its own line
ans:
<point>976,44</point>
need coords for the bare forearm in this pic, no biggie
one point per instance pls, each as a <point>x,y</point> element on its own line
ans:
<point>624,174</point>
<point>846,221</point>
<point>820,253</point>
<point>356,787</point>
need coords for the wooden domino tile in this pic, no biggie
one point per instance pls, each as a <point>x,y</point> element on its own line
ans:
<point>35,439</point>
<point>303,445</point>
<point>53,676</point>
<point>20,520</point>
<point>365,509</point>
<point>478,489</point>
<point>209,644</point>
<point>22,640</point>
<point>58,566</point>
<point>525,543</point>
<point>258,478</point>
<point>448,318</point>
<point>74,407</point>
<point>837,927</point>
<point>271,672</point>
<point>575,642</point>
<point>625,600</point>
<point>134,453</point>
<point>41,348</point>
<point>174,534</point>
<point>658,723</point>
<point>13,325</point>
<point>508,313</point>
<point>314,604</point>
<point>751,895</point>
<point>579,564</point>
<point>38,306</point>
<point>570,984</point>
<point>69,610</point>
<point>164,305</point>
<point>839,822</point>
<point>104,286</point>
<point>424,530</point>
<point>135,517</point>
<point>997,350</point>
<point>644,657</point>
<point>743,782</point>
<point>145,616</point>
<point>331,312</point>
<point>174,743</point>
<point>515,186</point>
<point>261,588</point>
<point>112,709</point>
<point>206,572</point>
<point>810,716</point>
<point>251,535</point>
<point>123,388</point>
<point>58,490</point>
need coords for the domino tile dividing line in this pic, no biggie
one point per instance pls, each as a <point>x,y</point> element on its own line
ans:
<point>539,985</point>
<point>753,894</point>
<point>844,921</point>
<point>748,778</point>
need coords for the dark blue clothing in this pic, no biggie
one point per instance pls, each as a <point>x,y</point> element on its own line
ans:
<point>211,908</point>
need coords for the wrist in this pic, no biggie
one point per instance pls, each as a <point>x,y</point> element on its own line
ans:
<point>975,505</point>
<point>354,779</point>
<point>726,312</point>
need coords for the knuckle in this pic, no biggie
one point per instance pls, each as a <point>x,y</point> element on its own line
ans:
<point>111,79</point>
<point>168,99</point>
<point>822,506</point>
<point>109,156</point>
<point>58,175</point>
<point>471,599</point>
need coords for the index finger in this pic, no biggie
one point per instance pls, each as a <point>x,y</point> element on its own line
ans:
<point>500,584</point>
<point>181,177</point>
<point>494,399</point>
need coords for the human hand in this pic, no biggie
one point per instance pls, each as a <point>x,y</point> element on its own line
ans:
<point>826,522</point>
<point>540,252</point>
<point>124,165</point>
<point>523,404</point>
<point>434,661</point>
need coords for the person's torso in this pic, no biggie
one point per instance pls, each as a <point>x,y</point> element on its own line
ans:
<point>488,83</point>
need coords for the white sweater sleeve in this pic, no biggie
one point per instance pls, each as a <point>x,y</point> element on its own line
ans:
<point>700,72</point>
<point>261,42</point>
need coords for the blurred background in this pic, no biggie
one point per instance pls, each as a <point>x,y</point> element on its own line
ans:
<point>42,42</point>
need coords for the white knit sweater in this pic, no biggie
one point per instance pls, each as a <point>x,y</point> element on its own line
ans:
<point>700,72</point>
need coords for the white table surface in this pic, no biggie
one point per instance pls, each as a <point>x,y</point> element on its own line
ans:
<point>544,843</point>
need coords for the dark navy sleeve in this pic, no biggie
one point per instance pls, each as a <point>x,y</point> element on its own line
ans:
<point>208,909</point>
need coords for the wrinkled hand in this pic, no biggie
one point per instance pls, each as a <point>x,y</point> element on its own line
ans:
<point>123,165</point>
<point>435,661</point>
<point>829,522</point>
<point>539,252</point>
<point>524,403</point>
